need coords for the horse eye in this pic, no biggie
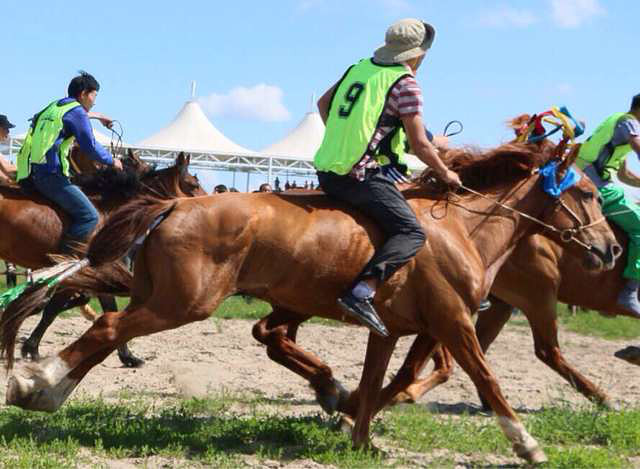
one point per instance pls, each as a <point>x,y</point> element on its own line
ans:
<point>588,195</point>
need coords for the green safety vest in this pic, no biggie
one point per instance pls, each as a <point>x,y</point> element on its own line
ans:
<point>354,113</point>
<point>41,137</point>
<point>613,157</point>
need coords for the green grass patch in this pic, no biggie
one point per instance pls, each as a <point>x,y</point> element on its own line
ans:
<point>588,322</point>
<point>583,438</point>
<point>198,430</point>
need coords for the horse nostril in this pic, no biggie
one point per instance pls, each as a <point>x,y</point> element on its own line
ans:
<point>616,251</point>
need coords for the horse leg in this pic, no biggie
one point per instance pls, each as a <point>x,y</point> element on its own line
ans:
<point>379,350</point>
<point>488,326</point>
<point>460,338</point>
<point>47,384</point>
<point>60,302</point>
<point>545,337</point>
<point>127,358</point>
<point>278,332</point>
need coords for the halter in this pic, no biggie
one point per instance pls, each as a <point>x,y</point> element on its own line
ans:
<point>571,178</point>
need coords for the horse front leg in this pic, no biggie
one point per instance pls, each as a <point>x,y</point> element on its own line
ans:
<point>126,356</point>
<point>278,332</point>
<point>458,335</point>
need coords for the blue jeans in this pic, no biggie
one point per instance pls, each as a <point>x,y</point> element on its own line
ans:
<point>70,198</point>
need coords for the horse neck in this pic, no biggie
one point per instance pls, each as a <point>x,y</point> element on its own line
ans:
<point>495,231</point>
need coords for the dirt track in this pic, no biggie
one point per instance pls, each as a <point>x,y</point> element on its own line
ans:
<point>211,356</point>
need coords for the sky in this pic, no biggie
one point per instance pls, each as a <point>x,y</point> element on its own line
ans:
<point>257,64</point>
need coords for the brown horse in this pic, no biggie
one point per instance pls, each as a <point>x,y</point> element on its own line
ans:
<point>211,247</point>
<point>538,275</point>
<point>30,227</point>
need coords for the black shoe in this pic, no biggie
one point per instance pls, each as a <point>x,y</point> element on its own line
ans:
<point>363,311</point>
<point>484,305</point>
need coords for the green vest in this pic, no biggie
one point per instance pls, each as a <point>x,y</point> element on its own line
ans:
<point>41,137</point>
<point>354,113</point>
<point>612,157</point>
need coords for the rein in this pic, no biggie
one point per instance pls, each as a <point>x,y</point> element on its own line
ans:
<point>567,235</point>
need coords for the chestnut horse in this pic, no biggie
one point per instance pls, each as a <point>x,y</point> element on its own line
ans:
<point>538,275</point>
<point>209,248</point>
<point>31,227</point>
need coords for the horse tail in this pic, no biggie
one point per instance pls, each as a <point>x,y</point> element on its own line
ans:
<point>99,272</point>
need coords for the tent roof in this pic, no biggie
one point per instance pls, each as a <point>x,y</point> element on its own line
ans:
<point>99,136</point>
<point>302,142</point>
<point>192,131</point>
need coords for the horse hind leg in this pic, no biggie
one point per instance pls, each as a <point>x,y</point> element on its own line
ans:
<point>126,356</point>
<point>278,332</point>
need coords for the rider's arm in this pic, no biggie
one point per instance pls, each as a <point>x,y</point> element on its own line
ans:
<point>324,102</point>
<point>77,123</point>
<point>414,128</point>
<point>625,174</point>
<point>104,120</point>
<point>7,168</point>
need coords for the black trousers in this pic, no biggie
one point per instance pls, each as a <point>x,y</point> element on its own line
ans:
<point>378,198</point>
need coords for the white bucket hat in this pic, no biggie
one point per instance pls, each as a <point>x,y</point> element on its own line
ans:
<point>405,39</point>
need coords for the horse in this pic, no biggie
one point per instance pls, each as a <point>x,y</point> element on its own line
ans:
<point>538,275</point>
<point>209,248</point>
<point>31,227</point>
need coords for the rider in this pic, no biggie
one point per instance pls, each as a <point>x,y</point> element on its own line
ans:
<point>44,157</point>
<point>360,160</point>
<point>603,153</point>
<point>7,170</point>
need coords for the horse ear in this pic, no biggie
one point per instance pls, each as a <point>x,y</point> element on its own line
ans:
<point>180,160</point>
<point>569,158</point>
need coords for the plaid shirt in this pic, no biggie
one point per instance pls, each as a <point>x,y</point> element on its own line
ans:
<point>405,99</point>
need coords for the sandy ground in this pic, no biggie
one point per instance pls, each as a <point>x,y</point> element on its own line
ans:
<point>213,355</point>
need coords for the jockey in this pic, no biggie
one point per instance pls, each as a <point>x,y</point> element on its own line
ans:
<point>43,159</point>
<point>360,159</point>
<point>7,170</point>
<point>603,153</point>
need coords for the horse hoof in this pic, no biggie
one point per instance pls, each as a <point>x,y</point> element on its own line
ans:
<point>629,354</point>
<point>346,424</point>
<point>29,352</point>
<point>403,397</point>
<point>329,401</point>
<point>608,404</point>
<point>533,455</point>
<point>132,362</point>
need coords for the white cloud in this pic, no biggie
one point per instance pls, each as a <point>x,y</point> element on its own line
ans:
<point>573,13</point>
<point>563,88</point>
<point>262,102</point>
<point>505,16</point>
<point>304,5</point>
<point>395,6</point>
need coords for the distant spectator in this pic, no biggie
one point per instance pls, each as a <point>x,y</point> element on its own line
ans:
<point>233,189</point>
<point>287,186</point>
<point>277,184</point>
<point>266,187</point>
<point>294,185</point>
<point>7,170</point>
<point>311,186</point>
<point>306,185</point>
<point>220,188</point>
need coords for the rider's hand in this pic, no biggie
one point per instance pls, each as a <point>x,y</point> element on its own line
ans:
<point>117,164</point>
<point>451,178</point>
<point>106,121</point>
<point>441,142</point>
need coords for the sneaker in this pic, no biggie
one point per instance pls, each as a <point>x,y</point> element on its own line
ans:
<point>363,311</point>
<point>628,299</point>
<point>484,305</point>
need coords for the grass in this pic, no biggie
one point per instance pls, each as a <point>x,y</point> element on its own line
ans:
<point>584,438</point>
<point>202,431</point>
<point>587,322</point>
<point>210,432</point>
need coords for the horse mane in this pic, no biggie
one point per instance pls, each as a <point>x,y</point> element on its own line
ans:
<point>488,171</point>
<point>109,183</point>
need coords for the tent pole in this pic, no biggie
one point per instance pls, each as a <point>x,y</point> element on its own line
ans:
<point>248,175</point>
<point>270,170</point>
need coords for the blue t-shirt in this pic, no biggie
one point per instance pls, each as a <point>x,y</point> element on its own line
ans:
<point>75,122</point>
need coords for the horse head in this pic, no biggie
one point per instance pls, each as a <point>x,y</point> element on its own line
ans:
<point>174,181</point>
<point>576,213</point>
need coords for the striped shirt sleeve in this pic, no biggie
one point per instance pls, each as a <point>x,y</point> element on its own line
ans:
<point>406,98</point>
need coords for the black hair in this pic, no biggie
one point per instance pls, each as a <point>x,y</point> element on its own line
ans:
<point>635,102</point>
<point>220,188</point>
<point>83,82</point>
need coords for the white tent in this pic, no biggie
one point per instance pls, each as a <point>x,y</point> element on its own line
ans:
<point>302,142</point>
<point>191,131</point>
